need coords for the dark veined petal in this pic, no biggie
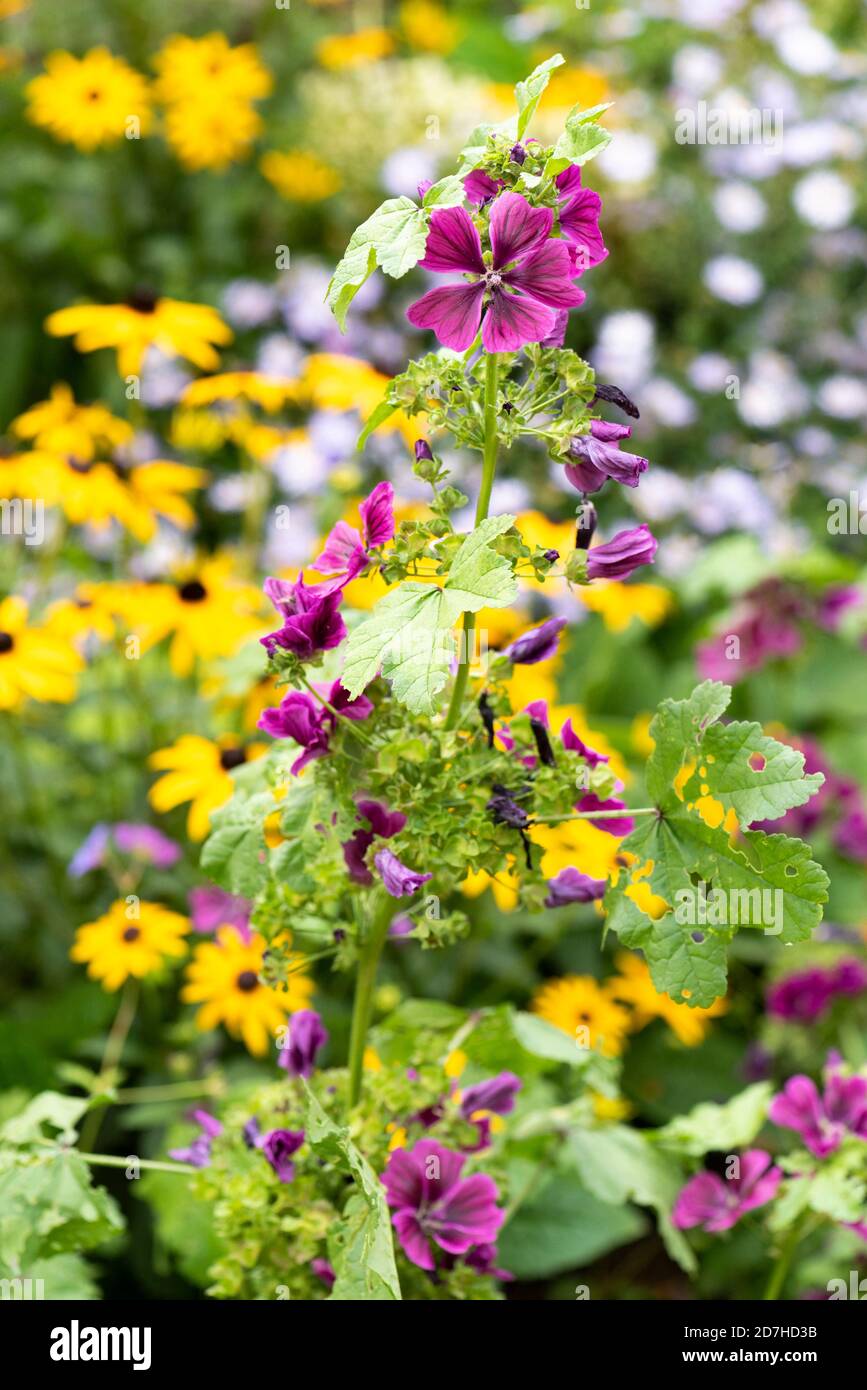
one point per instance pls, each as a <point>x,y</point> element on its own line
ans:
<point>517,229</point>
<point>453,312</point>
<point>452,243</point>
<point>579,221</point>
<point>547,276</point>
<point>513,320</point>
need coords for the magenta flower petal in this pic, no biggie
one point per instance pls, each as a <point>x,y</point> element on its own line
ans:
<point>377,515</point>
<point>399,881</point>
<point>571,740</point>
<point>547,277</point>
<point>512,321</point>
<point>568,181</point>
<point>517,229</point>
<point>453,243</point>
<point>579,221</point>
<point>453,312</point>
<point>480,188</point>
<point>468,1215</point>
<point>618,558</point>
<point>343,551</point>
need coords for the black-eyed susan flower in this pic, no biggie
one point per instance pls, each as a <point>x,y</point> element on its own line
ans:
<point>158,488</point>
<point>634,986</point>
<point>88,613</point>
<point>586,1011</point>
<point>206,613</point>
<point>298,176</point>
<point>428,26</point>
<point>269,392</point>
<point>210,133</point>
<point>34,661</point>
<point>133,938</point>
<point>188,67</point>
<point>174,326</point>
<point>224,978</point>
<point>92,493</point>
<point>61,426</point>
<point>196,770</point>
<point>88,102</point>
<point>341,51</point>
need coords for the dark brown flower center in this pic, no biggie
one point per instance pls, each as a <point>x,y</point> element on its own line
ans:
<point>247,981</point>
<point>132,934</point>
<point>144,301</point>
<point>192,592</point>
<point>7,642</point>
<point>79,465</point>
<point>232,757</point>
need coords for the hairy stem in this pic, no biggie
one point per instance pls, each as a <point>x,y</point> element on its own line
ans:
<point>111,1056</point>
<point>489,465</point>
<point>783,1261</point>
<point>371,949</point>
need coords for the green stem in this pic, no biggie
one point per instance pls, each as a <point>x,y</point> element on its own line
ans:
<point>151,1164</point>
<point>489,465</point>
<point>371,949</point>
<point>781,1267</point>
<point>111,1057</point>
<point>597,815</point>
<point>176,1090</point>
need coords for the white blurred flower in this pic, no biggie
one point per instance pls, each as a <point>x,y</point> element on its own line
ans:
<point>697,69</point>
<point>249,303</point>
<point>772,392</point>
<point>625,350</point>
<point>405,169</point>
<point>844,397</point>
<point>749,161</point>
<point>299,468</point>
<point>631,158</point>
<point>237,490</point>
<point>729,499</point>
<point>823,199</point>
<point>739,207</point>
<point>509,495</point>
<point>814,441</point>
<point>733,279</point>
<point>709,371</point>
<point>279,357</point>
<point>815,142</point>
<point>666,402</point>
<point>805,49</point>
<point>707,14</point>
<point>163,380</point>
<point>290,544</point>
<point>169,550</point>
<point>661,494</point>
<point>768,19</point>
<point>678,555</point>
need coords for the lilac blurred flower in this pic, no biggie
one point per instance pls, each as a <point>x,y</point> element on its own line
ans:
<point>717,1204</point>
<point>305,1036</point>
<point>146,842</point>
<point>278,1146</point>
<point>212,907</point>
<point>518,299</point>
<point>399,881</point>
<point>91,852</point>
<point>434,1204</point>
<point>539,644</point>
<point>571,886</point>
<point>596,457</point>
<point>496,1095</point>
<point>199,1151</point>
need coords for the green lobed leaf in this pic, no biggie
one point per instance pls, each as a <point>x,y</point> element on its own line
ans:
<point>724,1128</point>
<point>750,773</point>
<point>564,1227</point>
<point>48,1207</point>
<point>49,1108</point>
<point>234,853</point>
<point>393,238</point>
<point>528,93</point>
<point>383,412</point>
<point>446,193</point>
<point>360,1246</point>
<point>581,140</point>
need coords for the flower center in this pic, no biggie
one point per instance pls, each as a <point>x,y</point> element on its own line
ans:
<point>78,465</point>
<point>192,592</point>
<point>7,642</point>
<point>232,757</point>
<point>132,934</point>
<point>143,301</point>
<point>493,279</point>
<point>247,981</point>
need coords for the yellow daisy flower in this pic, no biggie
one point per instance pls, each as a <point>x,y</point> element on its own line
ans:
<point>197,770</point>
<point>207,613</point>
<point>131,939</point>
<point>61,426</point>
<point>177,328</point>
<point>269,392</point>
<point>34,661</point>
<point>298,176</point>
<point>157,487</point>
<point>428,27</point>
<point>89,101</point>
<point>197,431</point>
<point>87,614</point>
<point>620,603</point>
<point>340,51</point>
<point>505,886</point>
<point>582,1008</point>
<point>331,381</point>
<point>634,986</point>
<point>223,977</point>
<point>210,132</point>
<point>90,494</point>
<point>188,67</point>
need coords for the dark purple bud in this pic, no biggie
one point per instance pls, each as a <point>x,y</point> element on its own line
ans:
<point>423,451</point>
<point>424,186</point>
<point>496,1095</point>
<point>587,520</point>
<point>539,644</point>
<point>399,880</point>
<point>552,555</point>
<point>505,809</point>
<point>618,398</point>
<point>571,886</point>
<point>278,1146</point>
<point>306,1035</point>
<point>517,154</point>
<point>251,1133</point>
<point>487,716</point>
<point>543,743</point>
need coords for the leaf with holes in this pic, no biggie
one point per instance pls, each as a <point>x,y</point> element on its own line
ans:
<point>750,773</point>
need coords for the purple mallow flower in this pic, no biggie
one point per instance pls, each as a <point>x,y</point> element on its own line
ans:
<point>346,552</point>
<point>596,457</point>
<point>382,823</point>
<point>320,1267</point>
<point>579,217</point>
<point>311,620</point>
<point>531,275</point>
<point>399,881</point>
<point>480,188</point>
<point>212,907</point>
<point>435,1206</point>
<point>539,644</point>
<point>496,1095</point>
<point>278,1146</point>
<point>571,886</point>
<point>823,1121</point>
<point>620,557</point>
<point>717,1204</point>
<point>805,996</point>
<point>306,1034</point>
<point>310,724</point>
<point>199,1151</point>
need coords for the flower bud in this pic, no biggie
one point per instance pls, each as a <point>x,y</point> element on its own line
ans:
<point>586,519</point>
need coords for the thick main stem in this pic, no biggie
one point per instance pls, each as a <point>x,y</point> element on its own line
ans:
<point>489,465</point>
<point>781,1267</point>
<point>111,1056</point>
<point>371,950</point>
